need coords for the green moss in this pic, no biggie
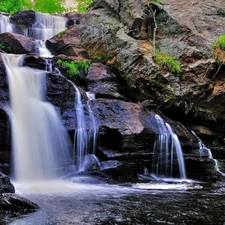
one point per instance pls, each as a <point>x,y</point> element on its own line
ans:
<point>74,67</point>
<point>102,57</point>
<point>219,49</point>
<point>61,33</point>
<point>167,62</point>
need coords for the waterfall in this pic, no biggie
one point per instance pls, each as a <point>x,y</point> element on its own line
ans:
<point>46,26</point>
<point>206,152</point>
<point>5,25</point>
<point>40,142</point>
<point>42,49</point>
<point>167,150</point>
<point>85,141</point>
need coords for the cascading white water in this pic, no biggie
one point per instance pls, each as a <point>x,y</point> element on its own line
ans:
<point>46,26</point>
<point>167,152</point>
<point>42,49</point>
<point>206,152</point>
<point>40,142</point>
<point>85,141</point>
<point>5,25</point>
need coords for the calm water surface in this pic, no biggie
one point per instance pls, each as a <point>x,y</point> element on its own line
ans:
<point>76,202</point>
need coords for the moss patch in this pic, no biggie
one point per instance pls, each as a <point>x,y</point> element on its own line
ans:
<point>167,62</point>
<point>74,67</point>
<point>219,49</point>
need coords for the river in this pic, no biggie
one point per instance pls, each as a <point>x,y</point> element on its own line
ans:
<point>86,201</point>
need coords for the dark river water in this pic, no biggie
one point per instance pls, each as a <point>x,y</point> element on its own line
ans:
<point>76,202</point>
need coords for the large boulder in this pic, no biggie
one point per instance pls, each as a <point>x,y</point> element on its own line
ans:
<point>22,21</point>
<point>67,42</point>
<point>16,43</point>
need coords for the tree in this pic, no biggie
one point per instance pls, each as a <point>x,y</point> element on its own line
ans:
<point>83,4</point>
<point>11,6</point>
<point>49,6</point>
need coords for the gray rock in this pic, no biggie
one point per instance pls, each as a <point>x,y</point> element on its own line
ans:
<point>5,184</point>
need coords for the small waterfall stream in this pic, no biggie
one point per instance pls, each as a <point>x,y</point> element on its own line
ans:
<point>5,25</point>
<point>206,152</point>
<point>85,141</point>
<point>168,156</point>
<point>46,26</point>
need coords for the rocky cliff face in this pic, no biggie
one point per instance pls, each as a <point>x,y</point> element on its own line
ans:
<point>116,38</point>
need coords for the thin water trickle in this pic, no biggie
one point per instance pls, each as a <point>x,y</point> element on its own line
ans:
<point>206,152</point>
<point>40,142</point>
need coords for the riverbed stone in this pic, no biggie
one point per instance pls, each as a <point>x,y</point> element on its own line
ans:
<point>13,202</point>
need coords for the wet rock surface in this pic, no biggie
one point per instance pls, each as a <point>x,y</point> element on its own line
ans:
<point>116,38</point>
<point>5,184</point>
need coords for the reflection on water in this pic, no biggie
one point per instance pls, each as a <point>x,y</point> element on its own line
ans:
<point>76,202</point>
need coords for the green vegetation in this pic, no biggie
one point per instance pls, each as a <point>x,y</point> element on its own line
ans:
<point>219,49</point>
<point>49,6</point>
<point>102,57</point>
<point>11,6</point>
<point>74,67</point>
<point>3,47</point>
<point>83,4</point>
<point>167,62</point>
<point>27,4</point>
<point>44,6</point>
<point>60,34</point>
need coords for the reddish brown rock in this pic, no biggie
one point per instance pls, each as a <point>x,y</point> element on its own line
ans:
<point>16,43</point>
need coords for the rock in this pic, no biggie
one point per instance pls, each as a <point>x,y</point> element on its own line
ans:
<point>5,185</point>
<point>90,163</point>
<point>126,41</point>
<point>35,61</point>
<point>101,81</point>
<point>5,134</point>
<point>67,43</point>
<point>22,21</point>
<point>13,202</point>
<point>16,43</point>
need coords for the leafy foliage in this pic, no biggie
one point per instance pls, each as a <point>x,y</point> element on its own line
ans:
<point>74,67</point>
<point>219,49</point>
<point>48,6</point>
<point>83,4</point>
<point>11,6</point>
<point>44,6</point>
<point>27,4</point>
<point>167,62</point>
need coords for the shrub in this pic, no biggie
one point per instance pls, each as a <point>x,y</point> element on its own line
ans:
<point>74,67</point>
<point>167,62</point>
<point>83,4</point>
<point>219,49</point>
<point>10,6</point>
